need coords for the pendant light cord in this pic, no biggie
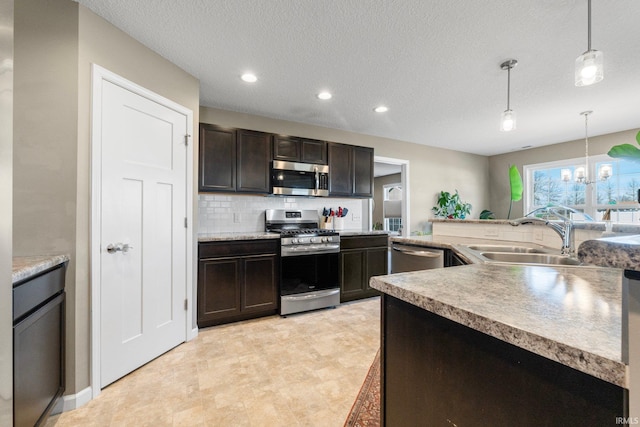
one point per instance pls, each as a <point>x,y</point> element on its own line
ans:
<point>508,88</point>
<point>586,145</point>
<point>589,26</point>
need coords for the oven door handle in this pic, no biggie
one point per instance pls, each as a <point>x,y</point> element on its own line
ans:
<point>325,249</point>
<point>311,295</point>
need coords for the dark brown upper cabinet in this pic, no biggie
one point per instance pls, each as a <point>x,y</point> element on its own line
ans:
<point>253,162</point>
<point>217,159</point>
<point>234,160</point>
<point>363,172</point>
<point>295,149</point>
<point>350,170</point>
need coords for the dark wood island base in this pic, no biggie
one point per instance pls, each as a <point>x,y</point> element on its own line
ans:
<point>436,372</point>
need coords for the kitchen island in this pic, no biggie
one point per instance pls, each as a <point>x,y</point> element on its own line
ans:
<point>497,344</point>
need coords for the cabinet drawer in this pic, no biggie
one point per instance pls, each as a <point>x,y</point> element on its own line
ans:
<point>36,290</point>
<point>238,248</point>
<point>358,242</point>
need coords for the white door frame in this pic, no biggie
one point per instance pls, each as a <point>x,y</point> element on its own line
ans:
<point>99,74</point>
<point>406,203</point>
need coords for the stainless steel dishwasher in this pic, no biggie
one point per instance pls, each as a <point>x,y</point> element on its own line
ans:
<point>413,258</point>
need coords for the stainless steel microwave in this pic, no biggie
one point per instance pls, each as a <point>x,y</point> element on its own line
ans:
<point>299,179</point>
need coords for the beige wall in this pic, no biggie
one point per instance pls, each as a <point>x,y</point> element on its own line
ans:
<point>499,165</point>
<point>6,214</point>
<point>52,153</point>
<point>45,137</point>
<point>378,196</point>
<point>431,169</point>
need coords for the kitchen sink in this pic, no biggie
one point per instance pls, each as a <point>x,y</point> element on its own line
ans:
<point>505,248</point>
<point>530,258</point>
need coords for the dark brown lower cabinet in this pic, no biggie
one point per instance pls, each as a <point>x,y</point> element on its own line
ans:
<point>436,372</point>
<point>38,346</point>
<point>361,257</point>
<point>237,280</point>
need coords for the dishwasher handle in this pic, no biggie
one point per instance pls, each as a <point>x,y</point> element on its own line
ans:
<point>423,253</point>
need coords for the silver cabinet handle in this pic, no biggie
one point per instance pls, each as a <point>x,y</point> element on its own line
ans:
<point>118,247</point>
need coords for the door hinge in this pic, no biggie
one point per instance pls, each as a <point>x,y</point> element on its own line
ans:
<point>186,140</point>
<point>186,304</point>
<point>186,223</point>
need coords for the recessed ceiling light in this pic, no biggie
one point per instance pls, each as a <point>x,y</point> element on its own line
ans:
<point>381,109</point>
<point>324,95</point>
<point>249,78</point>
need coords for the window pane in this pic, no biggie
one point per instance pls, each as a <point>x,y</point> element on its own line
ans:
<point>612,192</point>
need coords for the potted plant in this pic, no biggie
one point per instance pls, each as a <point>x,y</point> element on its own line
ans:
<point>450,206</point>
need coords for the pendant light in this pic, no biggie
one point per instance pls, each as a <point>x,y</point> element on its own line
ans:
<point>582,172</point>
<point>589,65</point>
<point>508,118</point>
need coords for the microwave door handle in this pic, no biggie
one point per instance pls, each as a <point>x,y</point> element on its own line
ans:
<point>317,179</point>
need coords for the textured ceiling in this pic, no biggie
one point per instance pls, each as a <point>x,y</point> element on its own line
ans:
<point>434,63</point>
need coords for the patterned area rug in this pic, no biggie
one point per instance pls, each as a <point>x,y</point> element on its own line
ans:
<point>365,411</point>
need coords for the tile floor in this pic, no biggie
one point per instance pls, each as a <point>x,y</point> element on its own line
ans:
<point>304,370</point>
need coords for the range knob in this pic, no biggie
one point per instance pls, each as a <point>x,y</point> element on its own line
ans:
<point>294,241</point>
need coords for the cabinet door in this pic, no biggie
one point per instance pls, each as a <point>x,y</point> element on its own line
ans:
<point>352,274</point>
<point>340,170</point>
<point>286,148</point>
<point>218,289</point>
<point>377,261</point>
<point>313,151</point>
<point>217,159</point>
<point>363,171</point>
<point>260,284</point>
<point>254,156</point>
<point>38,362</point>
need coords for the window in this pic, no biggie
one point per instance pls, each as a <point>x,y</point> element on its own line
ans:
<point>615,198</point>
<point>392,207</point>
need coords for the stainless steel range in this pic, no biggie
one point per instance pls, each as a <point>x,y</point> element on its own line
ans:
<point>309,260</point>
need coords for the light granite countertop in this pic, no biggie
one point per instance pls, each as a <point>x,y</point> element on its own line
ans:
<point>459,245</point>
<point>25,267</point>
<point>568,314</point>
<point>582,225</point>
<point>256,235</point>
<point>619,252</point>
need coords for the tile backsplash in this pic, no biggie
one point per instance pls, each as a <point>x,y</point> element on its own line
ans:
<point>245,213</point>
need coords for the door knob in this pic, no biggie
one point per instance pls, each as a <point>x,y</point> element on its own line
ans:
<point>118,247</point>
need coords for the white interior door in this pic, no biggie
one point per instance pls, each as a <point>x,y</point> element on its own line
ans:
<point>142,231</point>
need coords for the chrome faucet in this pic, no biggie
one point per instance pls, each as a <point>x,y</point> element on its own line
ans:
<point>563,228</point>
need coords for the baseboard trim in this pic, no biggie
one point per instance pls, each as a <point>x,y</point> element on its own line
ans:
<point>70,402</point>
